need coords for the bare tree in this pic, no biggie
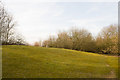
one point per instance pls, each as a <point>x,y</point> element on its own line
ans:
<point>45,43</point>
<point>74,39</point>
<point>51,41</point>
<point>82,39</point>
<point>7,24</point>
<point>36,44</point>
<point>64,40</point>
<point>107,40</point>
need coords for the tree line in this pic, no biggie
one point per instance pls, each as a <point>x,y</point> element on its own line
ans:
<point>81,39</point>
<point>8,36</point>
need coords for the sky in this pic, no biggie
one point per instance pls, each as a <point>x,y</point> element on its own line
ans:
<point>37,19</point>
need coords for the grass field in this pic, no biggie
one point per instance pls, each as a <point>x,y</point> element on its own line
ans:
<point>37,62</point>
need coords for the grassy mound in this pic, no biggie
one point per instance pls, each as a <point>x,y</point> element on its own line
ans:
<point>37,62</point>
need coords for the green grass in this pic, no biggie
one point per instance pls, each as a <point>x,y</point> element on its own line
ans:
<point>37,62</point>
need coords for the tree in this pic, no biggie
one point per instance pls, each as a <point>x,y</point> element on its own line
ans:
<point>82,40</point>
<point>64,40</point>
<point>51,41</point>
<point>45,43</point>
<point>7,24</point>
<point>36,44</point>
<point>107,40</point>
<point>40,43</point>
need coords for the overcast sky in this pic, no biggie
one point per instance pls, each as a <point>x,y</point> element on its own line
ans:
<point>37,19</point>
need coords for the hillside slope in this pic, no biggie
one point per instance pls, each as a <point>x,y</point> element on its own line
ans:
<point>37,62</point>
